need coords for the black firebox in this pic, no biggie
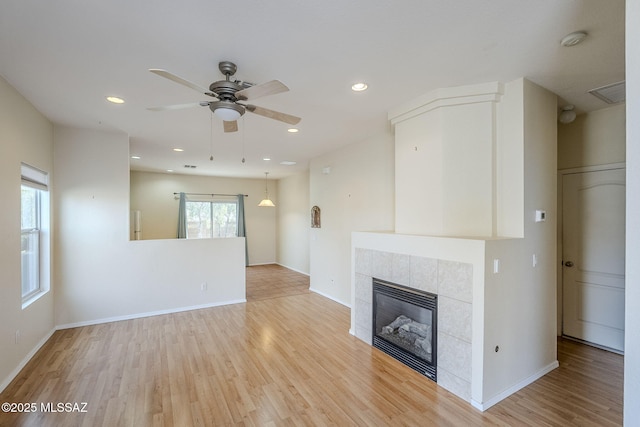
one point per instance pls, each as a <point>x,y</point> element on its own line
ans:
<point>405,325</point>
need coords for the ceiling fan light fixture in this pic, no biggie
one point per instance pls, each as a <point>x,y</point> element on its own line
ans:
<point>227,115</point>
<point>227,111</point>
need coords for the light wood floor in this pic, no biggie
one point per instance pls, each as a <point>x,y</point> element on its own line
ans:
<point>285,360</point>
<point>274,281</point>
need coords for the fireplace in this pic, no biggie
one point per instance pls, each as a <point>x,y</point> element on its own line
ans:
<point>405,325</point>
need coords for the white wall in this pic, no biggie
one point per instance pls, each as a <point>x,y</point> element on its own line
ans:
<point>25,136</point>
<point>445,145</point>
<point>152,194</point>
<point>101,274</point>
<point>510,161</point>
<point>515,309</point>
<point>520,301</point>
<point>356,195</point>
<point>456,147</point>
<point>596,138</point>
<point>593,139</point>
<point>293,222</point>
<point>632,297</point>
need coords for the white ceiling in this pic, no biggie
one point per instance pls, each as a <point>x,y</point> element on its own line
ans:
<point>66,56</point>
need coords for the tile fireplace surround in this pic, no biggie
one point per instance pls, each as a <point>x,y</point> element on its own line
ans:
<point>450,280</point>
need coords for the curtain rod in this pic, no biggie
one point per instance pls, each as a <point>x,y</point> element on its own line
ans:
<point>210,194</point>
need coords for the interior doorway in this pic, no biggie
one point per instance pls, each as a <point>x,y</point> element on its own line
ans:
<point>593,256</point>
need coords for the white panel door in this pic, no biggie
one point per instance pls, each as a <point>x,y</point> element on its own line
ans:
<point>593,233</point>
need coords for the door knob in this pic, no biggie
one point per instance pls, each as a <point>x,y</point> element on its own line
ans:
<point>568,264</point>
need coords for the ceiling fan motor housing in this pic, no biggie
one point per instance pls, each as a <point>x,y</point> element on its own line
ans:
<point>227,68</point>
<point>226,92</point>
<point>225,89</point>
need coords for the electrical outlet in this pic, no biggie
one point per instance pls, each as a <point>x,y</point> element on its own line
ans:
<point>534,260</point>
<point>203,286</point>
<point>18,336</point>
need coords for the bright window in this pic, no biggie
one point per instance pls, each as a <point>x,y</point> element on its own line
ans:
<point>30,241</point>
<point>34,227</point>
<point>210,219</point>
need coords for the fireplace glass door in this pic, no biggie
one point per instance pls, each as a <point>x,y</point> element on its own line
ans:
<point>404,325</point>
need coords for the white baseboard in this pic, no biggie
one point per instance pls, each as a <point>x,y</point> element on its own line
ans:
<point>522,384</point>
<point>147,314</point>
<point>330,297</point>
<point>293,269</point>
<point>24,361</point>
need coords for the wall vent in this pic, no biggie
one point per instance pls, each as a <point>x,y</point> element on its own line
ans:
<point>190,166</point>
<point>611,94</point>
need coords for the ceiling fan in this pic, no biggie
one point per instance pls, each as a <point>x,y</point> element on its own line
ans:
<point>229,96</point>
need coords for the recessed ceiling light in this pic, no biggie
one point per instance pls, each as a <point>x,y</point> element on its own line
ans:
<point>359,87</point>
<point>266,158</point>
<point>292,130</point>
<point>115,99</point>
<point>179,150</point>
<point>169,170</point>
<point>135,157</point>
<point>573,38</point>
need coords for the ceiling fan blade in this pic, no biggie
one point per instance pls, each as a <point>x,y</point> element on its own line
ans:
<point>177,79</point>
<point>264,89</point>
<point>230,126</point>
<point>276,115</point>
<point>178,106</point>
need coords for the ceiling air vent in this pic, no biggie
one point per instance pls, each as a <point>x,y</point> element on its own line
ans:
<point>611,94</point>
<point>190,166</point>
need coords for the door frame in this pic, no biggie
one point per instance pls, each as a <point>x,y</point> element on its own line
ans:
<point>561,174</point>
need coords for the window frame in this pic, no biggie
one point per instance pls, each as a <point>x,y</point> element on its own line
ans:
<point>35,253</point>
<point>36,180</point>
<point>212,228</point>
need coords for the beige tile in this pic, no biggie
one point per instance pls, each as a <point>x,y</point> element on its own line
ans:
<point>363,261</point>
<point>454,355</point>
<point>363,288</point>
<point>455,280</point>
<point>424,274</point>
<point>454,318</point>
<point>454,384</point>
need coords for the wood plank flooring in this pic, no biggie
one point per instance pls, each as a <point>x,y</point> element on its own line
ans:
<point>274,281</point>
<point>280,360</point>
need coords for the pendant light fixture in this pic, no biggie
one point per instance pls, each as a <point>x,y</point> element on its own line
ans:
<point>266,201</point>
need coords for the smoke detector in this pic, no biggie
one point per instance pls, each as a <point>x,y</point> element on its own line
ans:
<point>573,38</point>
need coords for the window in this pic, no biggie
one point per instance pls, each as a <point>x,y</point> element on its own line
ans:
<point>210,219</point>
<point>34,218</point>
<point>30,241</point>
